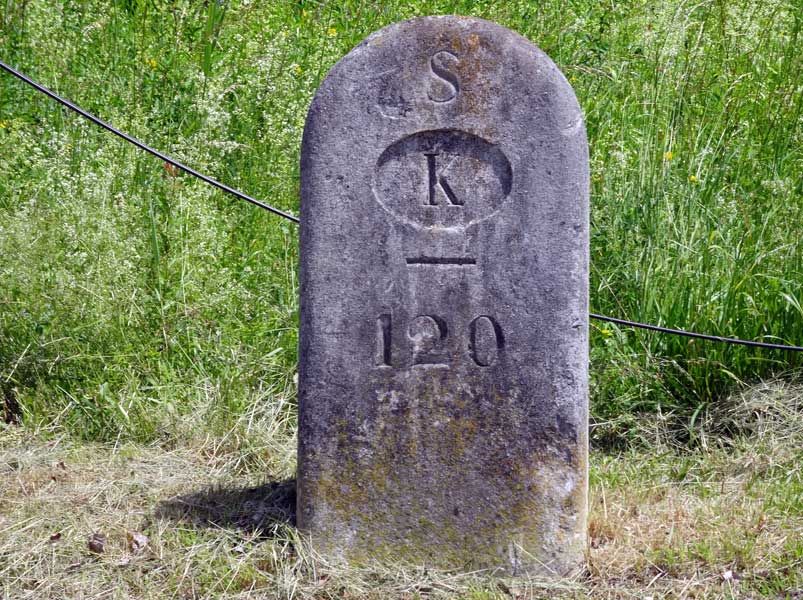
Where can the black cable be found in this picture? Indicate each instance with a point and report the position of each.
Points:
(691, 334)
(225, 188)
(145, 147)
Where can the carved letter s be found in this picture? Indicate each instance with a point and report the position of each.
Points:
(445, 86)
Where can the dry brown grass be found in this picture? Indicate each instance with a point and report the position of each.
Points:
(721, 520)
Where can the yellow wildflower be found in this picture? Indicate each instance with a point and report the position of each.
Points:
(572, 79)
(3, 124)
(606, 332)
(303, 13)
(668, 155)
(694, 179)
(331, 31)
(299, 70)
(151, 62)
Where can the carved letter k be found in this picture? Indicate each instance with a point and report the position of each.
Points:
(437, 179)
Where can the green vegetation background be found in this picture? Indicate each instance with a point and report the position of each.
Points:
(137, 302)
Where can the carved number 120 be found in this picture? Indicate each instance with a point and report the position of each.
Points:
(427, 335)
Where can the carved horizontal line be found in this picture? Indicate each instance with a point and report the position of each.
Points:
(441, 260)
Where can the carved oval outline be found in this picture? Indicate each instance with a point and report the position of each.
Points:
(427, 139)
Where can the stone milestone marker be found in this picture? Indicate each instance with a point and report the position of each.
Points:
(444, 297)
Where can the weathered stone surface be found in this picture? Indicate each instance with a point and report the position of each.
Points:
(444, 275)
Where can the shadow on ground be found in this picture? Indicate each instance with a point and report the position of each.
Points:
(262, 509)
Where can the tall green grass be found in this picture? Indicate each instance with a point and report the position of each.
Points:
(138, 302)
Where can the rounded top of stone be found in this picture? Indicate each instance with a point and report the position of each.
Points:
(412, 30)
(445, 119)
(430, 22)
(489, 60)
